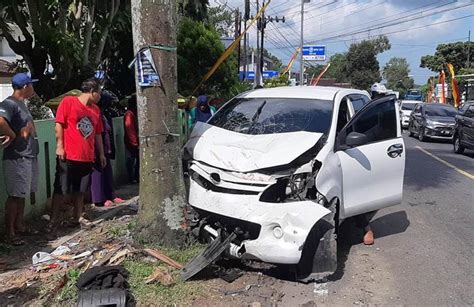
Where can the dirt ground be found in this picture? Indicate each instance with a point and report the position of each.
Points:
(258, 284)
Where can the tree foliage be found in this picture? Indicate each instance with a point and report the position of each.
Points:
(222, 19)
(66, 39)
(396, 73)
(454, 53)
(336, 70)
(362, 65)
(199, 47)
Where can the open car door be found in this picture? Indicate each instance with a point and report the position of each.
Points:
(371, 152)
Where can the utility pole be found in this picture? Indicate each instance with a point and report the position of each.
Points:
(238, 21)
(262, 25)
(468, 64)
(301, 44)
(162, 192)
(246, 17)
(257, 69)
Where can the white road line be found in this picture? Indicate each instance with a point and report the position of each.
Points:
(462, 172)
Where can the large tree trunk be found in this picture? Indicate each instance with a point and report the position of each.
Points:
(162, 191)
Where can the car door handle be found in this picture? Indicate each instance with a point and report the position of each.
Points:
(395, 150)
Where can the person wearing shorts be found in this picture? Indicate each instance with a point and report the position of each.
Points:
(20, 164)
(78, 133)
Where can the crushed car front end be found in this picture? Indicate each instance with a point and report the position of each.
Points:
(255, 206)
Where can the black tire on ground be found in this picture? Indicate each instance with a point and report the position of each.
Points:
(458, 148)
(421, 135)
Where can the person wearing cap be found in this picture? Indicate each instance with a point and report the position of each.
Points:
(202, 112)
(20, 164)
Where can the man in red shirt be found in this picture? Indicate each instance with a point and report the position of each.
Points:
(131, 139)
(78, 131)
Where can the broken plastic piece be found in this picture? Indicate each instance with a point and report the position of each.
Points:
(209, 255)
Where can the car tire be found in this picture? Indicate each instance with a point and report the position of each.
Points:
(458, 148)
(421, 135)
(410, 133)
(319, 255)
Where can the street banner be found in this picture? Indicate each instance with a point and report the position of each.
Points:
(292, 61)
(454, 86)
(148, 75)
(441, 80)
(316, 81)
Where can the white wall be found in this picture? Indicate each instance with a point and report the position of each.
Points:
(5, 91)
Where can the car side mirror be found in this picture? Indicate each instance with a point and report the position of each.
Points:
(355, 139)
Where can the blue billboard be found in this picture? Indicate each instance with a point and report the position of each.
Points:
(267, 74)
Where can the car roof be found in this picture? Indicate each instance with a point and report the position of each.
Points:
(306, 92)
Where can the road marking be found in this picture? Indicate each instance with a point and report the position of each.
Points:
(462, 172)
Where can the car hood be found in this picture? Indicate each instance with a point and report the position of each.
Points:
(239, 152)
(442, 119)
(406, 112)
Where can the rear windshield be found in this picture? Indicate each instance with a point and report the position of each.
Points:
(274, 115)
(445, 111)
(414, 93)
(408, 106)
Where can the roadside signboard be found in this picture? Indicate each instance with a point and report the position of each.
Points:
(267, 74)
(314, 53)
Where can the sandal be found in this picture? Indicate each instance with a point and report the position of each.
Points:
(29, 232)
(118, 200)
(15, 241)
(109, 203)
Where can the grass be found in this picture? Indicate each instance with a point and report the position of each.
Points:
(69, 291)
(180, 292)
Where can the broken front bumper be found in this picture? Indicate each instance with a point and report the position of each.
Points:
(284, 227)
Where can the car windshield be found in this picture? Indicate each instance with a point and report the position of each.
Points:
(408, 106)
(443, 111)
(414, 93)
(274, 115)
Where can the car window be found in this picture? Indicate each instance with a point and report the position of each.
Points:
(408, 106)
(274, 115)
(343, 116)
(358, 101)
(444, 111)
(378, 123)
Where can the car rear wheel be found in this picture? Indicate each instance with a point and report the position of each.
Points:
(421, 135)
(458, 148)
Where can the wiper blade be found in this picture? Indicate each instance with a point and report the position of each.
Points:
(259, 111)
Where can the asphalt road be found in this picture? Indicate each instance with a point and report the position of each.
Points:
(424, 251)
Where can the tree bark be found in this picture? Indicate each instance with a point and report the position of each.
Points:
(88, 32)
(115, 5)
(162, 193)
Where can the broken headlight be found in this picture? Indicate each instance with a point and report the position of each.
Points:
(292, 187)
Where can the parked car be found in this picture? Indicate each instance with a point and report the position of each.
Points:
(406, 107)
(414, 95)
(464, 129)
(432, 120)
(276, 171)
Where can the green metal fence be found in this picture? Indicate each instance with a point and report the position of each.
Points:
(47, 165)
(47, 162)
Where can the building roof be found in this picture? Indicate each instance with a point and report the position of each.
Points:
(7, 67)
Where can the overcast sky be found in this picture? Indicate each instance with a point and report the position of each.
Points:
(414, 27)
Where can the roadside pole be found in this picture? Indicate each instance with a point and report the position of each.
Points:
(301, 45)
(161, 185)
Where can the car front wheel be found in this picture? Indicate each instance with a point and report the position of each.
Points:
(458, 148)
(421, 135)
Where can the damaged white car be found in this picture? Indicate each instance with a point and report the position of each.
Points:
(272, 174)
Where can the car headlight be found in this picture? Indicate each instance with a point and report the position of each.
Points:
(286, 187)
(430, 123)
